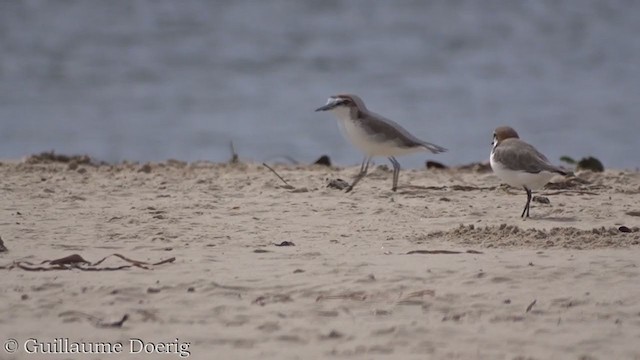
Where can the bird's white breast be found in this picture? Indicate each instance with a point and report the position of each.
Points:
(519, 178)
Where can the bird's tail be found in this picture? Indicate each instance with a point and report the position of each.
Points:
(433, 147)
(558, 170)
(564, 172)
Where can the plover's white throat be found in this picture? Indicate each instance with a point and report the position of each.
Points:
(374, 135)
(519, 164)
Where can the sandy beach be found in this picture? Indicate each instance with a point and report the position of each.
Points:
(444, 268)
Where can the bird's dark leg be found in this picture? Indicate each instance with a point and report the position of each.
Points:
(396, 172)
(365, 165)
(526, 207)
(363, 171)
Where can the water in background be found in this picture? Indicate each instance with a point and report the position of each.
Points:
(150, 80)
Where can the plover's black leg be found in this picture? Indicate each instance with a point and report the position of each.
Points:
(396, 172)
(526, 207)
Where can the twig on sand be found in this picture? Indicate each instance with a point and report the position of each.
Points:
(76, 261)
(234, 154)
(287, 186)
(443, 252)
(355, 295)
(96, 321)
(531, 305)
(2, 247)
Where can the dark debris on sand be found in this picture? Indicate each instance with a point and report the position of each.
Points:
(51, 157)
(2, 247)
(323, 160)
(338, 184)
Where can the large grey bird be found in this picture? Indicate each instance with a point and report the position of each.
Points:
(520, 164)
(374, 135)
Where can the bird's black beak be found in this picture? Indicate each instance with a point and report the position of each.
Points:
(327, 107)
(331, 103)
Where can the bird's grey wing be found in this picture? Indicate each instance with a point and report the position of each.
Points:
(389, 131)
(518, 155)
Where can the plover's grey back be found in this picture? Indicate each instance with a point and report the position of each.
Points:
(515, 154)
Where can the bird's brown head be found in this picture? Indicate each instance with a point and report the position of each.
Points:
(348, 101)
(502, 133)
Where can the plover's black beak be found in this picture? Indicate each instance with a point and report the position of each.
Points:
(331, 103)
(327, 107)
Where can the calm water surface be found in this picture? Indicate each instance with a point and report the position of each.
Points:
(150, 80)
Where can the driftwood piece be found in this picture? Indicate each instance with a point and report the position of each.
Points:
(94, 320)
(76, 261)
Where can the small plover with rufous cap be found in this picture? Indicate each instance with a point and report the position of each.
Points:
(519, 164)
(374, 135)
